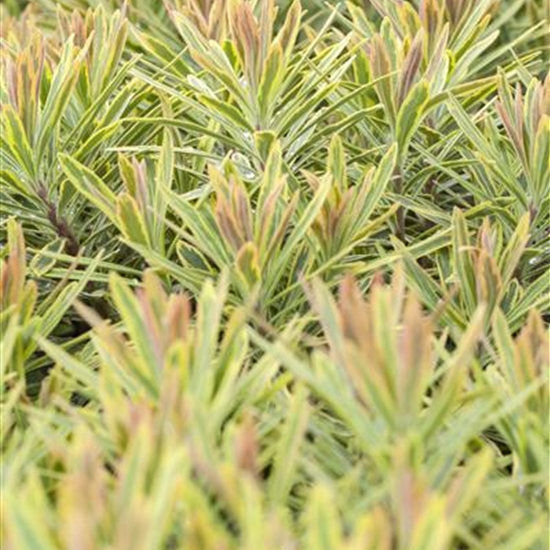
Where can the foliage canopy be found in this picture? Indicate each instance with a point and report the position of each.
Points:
(275, 274)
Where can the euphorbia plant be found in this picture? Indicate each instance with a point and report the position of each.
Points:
(274, 274)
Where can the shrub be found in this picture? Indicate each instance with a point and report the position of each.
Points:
(275, 274)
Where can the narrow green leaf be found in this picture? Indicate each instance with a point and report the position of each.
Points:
(90, 186)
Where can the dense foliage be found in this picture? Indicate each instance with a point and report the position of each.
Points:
(275, 275)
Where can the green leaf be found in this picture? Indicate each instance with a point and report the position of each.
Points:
(270, 82)
(410, 115)
(90, 186)
(337, 162)
(63, 81)
(287, 457)
(227, 112)
(137, 323)
(131, 220)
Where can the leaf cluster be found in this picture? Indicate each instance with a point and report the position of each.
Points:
(274, 274)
